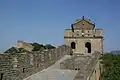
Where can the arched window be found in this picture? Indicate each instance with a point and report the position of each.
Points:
(73, 45)
(88, 46)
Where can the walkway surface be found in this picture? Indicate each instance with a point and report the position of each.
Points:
(54, 72)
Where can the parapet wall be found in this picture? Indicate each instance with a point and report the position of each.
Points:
(20, 65)
(87, 33)
(85, 64)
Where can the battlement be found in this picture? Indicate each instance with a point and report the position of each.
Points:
(85, 65)
(18, 66)
(83, 33)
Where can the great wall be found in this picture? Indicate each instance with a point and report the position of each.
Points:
(77, 59)
(20, 65)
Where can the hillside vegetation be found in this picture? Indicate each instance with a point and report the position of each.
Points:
(111, 66)
(37, 47)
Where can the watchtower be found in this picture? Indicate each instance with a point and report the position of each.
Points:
(83, 37)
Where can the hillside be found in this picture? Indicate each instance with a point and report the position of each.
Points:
(111, 66)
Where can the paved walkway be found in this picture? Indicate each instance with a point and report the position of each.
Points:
(54, 72)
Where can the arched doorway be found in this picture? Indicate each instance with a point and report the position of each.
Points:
(73, 46)
(88, 47)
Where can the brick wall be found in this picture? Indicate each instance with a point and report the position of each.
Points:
(20, 65)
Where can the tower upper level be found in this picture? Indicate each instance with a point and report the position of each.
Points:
(83, 24)
(83, 28)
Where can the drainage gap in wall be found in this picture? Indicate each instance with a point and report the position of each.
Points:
(23, 70)
(1, 78)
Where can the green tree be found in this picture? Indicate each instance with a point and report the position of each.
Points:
(37, 46)
(48, 46)
(111, 65)
(11, 50)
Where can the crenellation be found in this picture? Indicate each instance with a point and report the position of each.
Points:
(18, 66)
(98, 33)
(85, 65)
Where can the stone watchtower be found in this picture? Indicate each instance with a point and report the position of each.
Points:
(83, 37)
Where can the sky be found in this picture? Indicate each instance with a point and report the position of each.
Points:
(44, 21)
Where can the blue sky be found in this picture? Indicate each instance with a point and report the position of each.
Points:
(44, 21)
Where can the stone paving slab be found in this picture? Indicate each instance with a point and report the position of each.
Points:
(54, 72)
